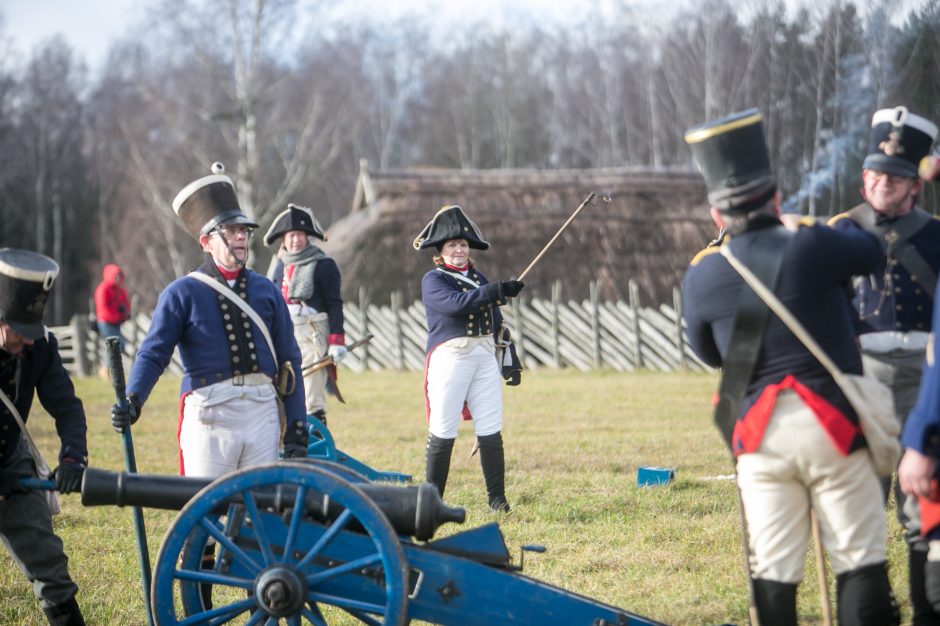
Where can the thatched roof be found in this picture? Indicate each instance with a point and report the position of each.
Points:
(652, 226)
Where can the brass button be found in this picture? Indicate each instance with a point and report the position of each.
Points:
(202, 381)
(470, 316)
(235, 359)
(254, 368)
(218, 376)
(469, 332)
(234, 348)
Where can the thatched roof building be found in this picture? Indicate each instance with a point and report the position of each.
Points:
(652, 225)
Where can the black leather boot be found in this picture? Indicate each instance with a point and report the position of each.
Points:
(922, 608)
(776, 602)
(931, 585)
(437, 458)
(320, 415)
(864, 597)
(208, 563)
(494, 470)
(65, 614)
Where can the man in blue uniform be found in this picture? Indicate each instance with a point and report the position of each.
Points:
(795, 437)
(30, 366)
(894, 303)
(311, 284)
(917, 472)
(229, 417)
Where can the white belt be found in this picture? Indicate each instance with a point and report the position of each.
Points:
(300, 309)
(891, 340)
(250, 380)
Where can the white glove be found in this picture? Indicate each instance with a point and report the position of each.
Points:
(337, 353)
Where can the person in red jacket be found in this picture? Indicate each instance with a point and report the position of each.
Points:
(112, 306)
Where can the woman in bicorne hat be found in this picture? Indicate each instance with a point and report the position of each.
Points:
(468, 350)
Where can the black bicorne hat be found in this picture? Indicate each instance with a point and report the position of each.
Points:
(450, 223)
(294, 218)
(731, 153)
(25, 280)
(898, 142)
(204, 204)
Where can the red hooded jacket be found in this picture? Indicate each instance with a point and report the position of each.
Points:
(111, 302)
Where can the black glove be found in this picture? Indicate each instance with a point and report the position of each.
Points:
(511, 288)
(294, 451)
(10, 484)
(512, 377)
(68, 476)
(295, 440)
(122, 417)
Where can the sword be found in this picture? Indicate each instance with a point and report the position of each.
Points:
(327, 360)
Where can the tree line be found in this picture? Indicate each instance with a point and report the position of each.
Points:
(91, 162)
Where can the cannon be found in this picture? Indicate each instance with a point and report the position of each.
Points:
(308, 542)
(322, 446)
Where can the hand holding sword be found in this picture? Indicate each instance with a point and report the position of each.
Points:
(328, 359)
(606, 198)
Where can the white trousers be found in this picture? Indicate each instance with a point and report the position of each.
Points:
(228, 427)
(796, 467)
(312, 332)
(464, 370)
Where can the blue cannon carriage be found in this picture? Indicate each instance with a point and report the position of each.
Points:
(307, 542)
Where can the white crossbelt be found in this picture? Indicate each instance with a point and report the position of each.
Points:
(891, 340)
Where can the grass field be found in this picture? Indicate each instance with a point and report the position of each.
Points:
(573, 445)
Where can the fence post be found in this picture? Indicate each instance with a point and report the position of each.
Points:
(396, 299)
(680, 343)
(556, 297)
(364, 312)
(635, 307)
(79, 324)
(595, 290)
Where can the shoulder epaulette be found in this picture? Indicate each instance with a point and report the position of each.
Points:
(835, 218)
(702, 254)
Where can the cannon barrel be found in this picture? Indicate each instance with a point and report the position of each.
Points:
(416, 511)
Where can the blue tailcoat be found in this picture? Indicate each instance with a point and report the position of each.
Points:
(188, 316)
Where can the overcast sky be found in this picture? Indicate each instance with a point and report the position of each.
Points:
(89, 26)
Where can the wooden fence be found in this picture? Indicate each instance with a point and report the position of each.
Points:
(550, 333)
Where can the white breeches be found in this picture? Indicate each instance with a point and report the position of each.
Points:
(464, 370)
(796, 467)
(312, 332)
(227, 427)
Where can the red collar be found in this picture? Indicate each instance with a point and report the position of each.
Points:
(457, 269)
(227, 274)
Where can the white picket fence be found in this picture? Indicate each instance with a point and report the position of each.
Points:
(549, 333)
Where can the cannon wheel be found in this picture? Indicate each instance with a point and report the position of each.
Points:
(297, 598)
(321, 444)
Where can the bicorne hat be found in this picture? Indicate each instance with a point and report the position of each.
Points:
(25, 280)
(898, 141)
(207, 202)
(450, 223)
(731, 153)
(294, 218)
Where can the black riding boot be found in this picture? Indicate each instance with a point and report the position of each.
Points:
(931, 585)
(438, 461)
(923, 612)
(864, 597)
(320, 415)
(776, 602)
(65, 614)
(494, 470)
(208, 563)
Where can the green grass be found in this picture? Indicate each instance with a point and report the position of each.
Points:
(573, 445)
